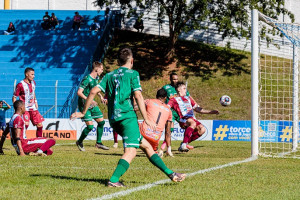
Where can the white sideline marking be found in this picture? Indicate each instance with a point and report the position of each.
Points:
(150, 185)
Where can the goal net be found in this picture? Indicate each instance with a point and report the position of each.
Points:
(277, 95)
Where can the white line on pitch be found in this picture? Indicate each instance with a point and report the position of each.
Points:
(150, 185)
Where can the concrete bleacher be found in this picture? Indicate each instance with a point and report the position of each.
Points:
(56, 55)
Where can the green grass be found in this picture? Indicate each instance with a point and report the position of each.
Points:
(71, 174)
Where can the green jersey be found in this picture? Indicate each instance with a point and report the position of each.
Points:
(119, 86)
(171, 92)
(87, 85)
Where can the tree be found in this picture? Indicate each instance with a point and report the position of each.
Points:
(231, 17)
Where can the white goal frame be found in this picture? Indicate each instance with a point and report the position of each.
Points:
(255, 57)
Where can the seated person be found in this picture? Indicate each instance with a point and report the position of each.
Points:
(10, 30)
(77, 19)
(95, 26)
(35, 147)
(53, 21)
(139, 24)
(46, 21)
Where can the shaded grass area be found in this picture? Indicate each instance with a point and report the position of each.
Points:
(210, 71)
(70, 174)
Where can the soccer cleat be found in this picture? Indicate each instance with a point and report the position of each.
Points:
(189, 147)
(80, 146)
(117, 184)
(177, 177)
(169, 154)
(161, 153)
(37, 154)
(181, 149)
(101, 146)
(115, 145)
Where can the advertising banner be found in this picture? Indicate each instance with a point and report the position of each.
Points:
(231, 130)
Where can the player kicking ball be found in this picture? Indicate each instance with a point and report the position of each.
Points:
(185, 107)
(93, 111)
(121, 86)
(35, 147)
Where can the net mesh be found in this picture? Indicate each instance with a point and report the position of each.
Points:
(276, 84)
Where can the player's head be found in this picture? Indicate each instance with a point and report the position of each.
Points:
(98, 67)
(19, 106)
(180, 88)
(1, 104)
(125, 57)
(46, 13)
(173, 79)
(161, 94)
(29, 73)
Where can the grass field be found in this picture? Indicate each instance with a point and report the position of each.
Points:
(71, 174)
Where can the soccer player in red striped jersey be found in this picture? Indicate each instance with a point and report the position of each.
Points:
(25, 90)
(185, 107)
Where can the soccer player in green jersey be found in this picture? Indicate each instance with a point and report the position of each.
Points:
(93, 112)
(171, 92)
(121, 86)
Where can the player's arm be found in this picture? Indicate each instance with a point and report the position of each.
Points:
(141, 104)
(87, 104)
(203, 111)
(8, 106)
(168, 133)
(36, 103)
(81, 95)
(103, 100)
(16, 92)
(18, 141)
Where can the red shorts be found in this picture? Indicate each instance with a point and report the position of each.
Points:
(32, 145)
(34, 116)
(184, 125)
(152, 137)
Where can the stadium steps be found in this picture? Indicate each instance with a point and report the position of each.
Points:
(62, 54)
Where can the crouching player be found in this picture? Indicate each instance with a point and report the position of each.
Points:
(36, 146)
(185, 107)
(160, 114)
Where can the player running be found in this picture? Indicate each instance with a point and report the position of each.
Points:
(185, 107)
(93, 111)
(36, 146)
(121, 85)
(160, 114)
(25, 90)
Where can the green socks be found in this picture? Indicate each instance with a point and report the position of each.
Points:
(122, 167)
(85, 132)
(159, 163)
(100, 131)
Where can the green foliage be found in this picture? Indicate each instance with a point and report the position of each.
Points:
(231, 17)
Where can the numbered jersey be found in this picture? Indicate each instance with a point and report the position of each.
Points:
(183, 106)
(26, 93)
(86, 85)
(158, 113)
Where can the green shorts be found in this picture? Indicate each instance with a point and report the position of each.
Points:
(130, 132)
(91, 113)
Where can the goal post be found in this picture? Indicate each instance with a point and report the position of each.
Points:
(275, 87)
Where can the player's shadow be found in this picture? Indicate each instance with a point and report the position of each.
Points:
(119, 154)
(101, 181)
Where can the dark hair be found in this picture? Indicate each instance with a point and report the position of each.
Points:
(179, 83)
(173, 74)
(18, 104)
(97, 64)
(161, 93)
(28, 69)
(124, 55)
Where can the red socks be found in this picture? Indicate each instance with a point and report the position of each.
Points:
(39, 131)
(187, 134)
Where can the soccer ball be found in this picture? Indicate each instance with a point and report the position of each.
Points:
(225, 100)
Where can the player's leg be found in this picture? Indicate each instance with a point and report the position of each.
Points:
(26, 117)
(191, 125)
(198, 132)
(159, 163)
(98, 117)
(46, 147)
(129, 130)
(89, 127)
(37, 119)
(115, 134)
(3, 138)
